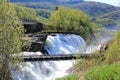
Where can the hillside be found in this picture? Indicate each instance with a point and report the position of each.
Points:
(104, 14)
(29, 13)
(109, 19)
(53, 1)
(36, 5)
(94, 8)
(115, 15)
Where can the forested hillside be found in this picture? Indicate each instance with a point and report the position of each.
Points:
(109, 19)
(36, 5)
(29, 13)
(53, 1)
(103, 14)
(44, 13)
(94, 8)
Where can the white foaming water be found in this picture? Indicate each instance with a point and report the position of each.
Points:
(91, 49)
(49, 70)
(45, 70)
(65, 44)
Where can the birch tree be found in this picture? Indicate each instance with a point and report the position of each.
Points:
(11, 32)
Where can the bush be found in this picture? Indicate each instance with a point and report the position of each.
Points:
(112, 55)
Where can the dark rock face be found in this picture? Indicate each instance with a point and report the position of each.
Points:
(37, 43)
(31, 26)
(104, 47)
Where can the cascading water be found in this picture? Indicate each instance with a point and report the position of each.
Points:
(65, 44)
(49, 70)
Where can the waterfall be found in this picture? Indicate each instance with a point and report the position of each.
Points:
(65, 44)
(45, 70)
(49, 70)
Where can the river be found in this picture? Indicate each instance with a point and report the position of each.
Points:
(50, 70)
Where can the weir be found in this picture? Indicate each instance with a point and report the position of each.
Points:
(40, 42)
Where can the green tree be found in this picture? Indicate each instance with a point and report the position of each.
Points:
(11, 32)
(71, 20)
(24, 12)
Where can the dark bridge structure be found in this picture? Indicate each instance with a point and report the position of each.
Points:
(32, 58)
(31, 25)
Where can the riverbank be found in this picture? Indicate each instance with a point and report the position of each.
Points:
(106, 72)
(106, 68)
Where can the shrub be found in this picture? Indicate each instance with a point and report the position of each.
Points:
(112, 54)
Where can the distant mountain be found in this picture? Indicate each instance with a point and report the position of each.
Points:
(94, 8)
(33, 0)
(115, 15)
(38, 5)
(53, 1)
(109, 19)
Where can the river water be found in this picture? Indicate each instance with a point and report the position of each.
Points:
(49, 70)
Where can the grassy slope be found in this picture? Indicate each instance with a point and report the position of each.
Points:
(99, 69)
(107, 72)
(70, 77)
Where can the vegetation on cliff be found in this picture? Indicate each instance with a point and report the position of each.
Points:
(112, 54)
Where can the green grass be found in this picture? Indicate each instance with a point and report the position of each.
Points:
(106, 72)
(70, 77)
